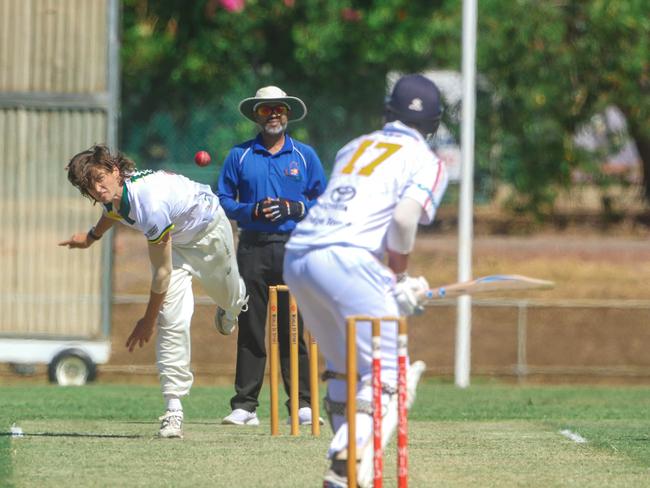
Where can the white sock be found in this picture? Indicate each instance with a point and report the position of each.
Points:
(173, 402)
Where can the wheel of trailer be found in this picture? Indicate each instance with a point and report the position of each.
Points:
(71, 367)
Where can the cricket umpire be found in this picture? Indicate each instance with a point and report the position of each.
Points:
(267, 185)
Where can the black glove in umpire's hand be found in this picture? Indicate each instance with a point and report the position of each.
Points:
(265, 209)
(278, 210)
(258, 209)
(292, 210)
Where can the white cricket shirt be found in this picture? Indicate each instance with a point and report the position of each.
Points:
(371, 175)
(159, 202)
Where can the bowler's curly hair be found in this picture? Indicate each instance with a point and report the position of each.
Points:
(82, 168)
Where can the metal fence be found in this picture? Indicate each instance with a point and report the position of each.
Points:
(558, 338)
(58, 95)
(518, 338)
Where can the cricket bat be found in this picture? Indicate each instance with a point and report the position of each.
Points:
(487, 284)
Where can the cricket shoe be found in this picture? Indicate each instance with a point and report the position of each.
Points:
(239, 416)
(336, 475)
(226, 322)
(304, 417)
(171, 424)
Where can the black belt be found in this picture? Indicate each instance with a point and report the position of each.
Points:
(253, 237)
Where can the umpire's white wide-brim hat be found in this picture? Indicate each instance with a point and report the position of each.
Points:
(271, 94)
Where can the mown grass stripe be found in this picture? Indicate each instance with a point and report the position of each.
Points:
(488, 435)
(6, 468)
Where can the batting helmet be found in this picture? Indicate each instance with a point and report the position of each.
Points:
(415, 100)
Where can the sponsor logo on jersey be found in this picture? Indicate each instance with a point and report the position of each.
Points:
(343, 194)
(293, 171)
(333, 206)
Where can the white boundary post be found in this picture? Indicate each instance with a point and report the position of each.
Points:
(465, 228)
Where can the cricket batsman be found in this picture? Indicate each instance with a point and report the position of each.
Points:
(383, 185)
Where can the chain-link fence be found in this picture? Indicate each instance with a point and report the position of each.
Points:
(169, 141)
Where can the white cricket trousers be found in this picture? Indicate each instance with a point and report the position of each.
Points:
(331, 284)
(210, 258)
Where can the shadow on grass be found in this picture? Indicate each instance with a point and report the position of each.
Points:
(66, 434)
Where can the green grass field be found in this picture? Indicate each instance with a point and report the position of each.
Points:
(487, 435)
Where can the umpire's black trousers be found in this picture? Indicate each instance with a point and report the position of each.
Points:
(260, 257)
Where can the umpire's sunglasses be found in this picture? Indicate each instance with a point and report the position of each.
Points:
(267, 110)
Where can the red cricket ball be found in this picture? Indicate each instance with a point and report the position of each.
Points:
(202, 158)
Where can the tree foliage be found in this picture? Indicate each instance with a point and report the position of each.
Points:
(547, 67)
(552, 65)
(334, 55)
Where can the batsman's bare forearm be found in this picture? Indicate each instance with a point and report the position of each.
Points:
(397, 262)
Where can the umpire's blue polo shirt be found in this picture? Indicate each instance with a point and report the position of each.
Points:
(250, 173)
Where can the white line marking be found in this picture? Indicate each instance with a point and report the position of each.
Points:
(15, 430)
(577, 438)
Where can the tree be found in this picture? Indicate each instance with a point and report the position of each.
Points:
(614, 48)
(179, 54)
(548, 67)
(551, 66)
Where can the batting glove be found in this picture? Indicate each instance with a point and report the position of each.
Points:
(409, 293)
